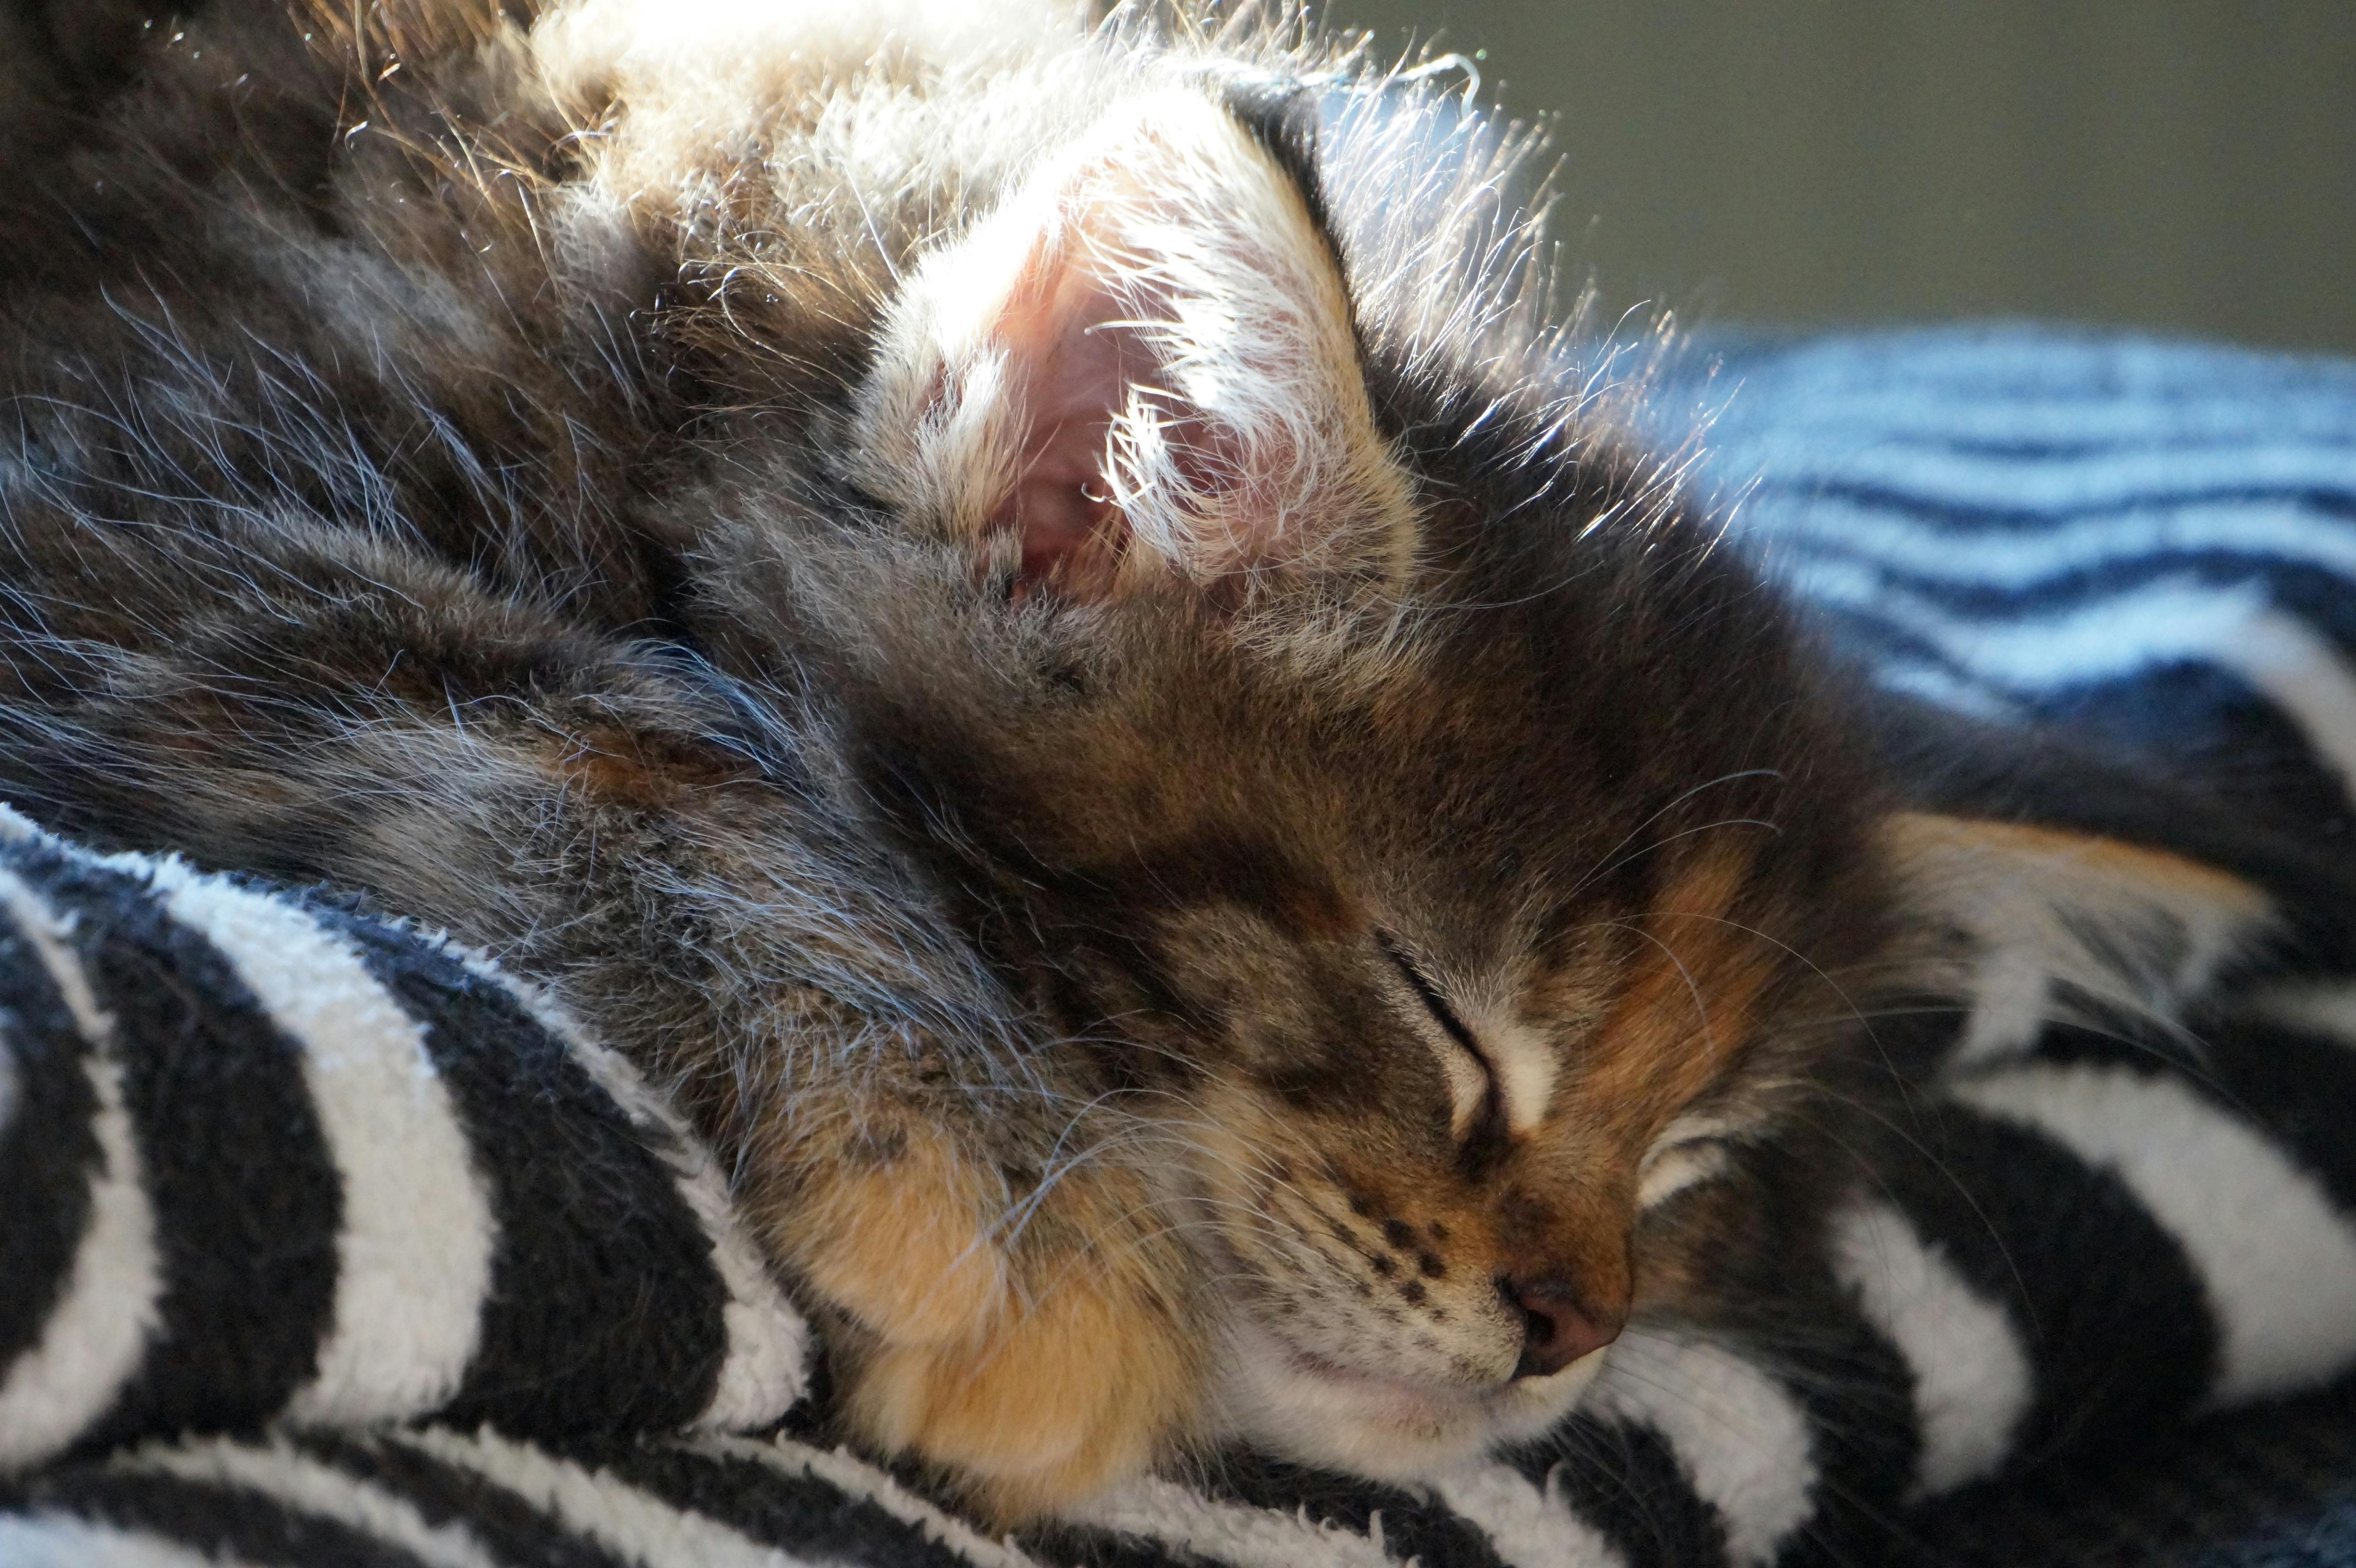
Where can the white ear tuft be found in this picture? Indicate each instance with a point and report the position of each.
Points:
(1141, 363)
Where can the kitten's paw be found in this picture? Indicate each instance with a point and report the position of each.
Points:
(1039, 1371)
(1057, 1399)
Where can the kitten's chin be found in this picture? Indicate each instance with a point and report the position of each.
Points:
(1387, 1428)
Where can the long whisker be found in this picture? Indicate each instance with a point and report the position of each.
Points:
(1672, 806)
(1605, 871)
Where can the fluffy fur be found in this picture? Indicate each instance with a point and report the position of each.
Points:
(1049, 642)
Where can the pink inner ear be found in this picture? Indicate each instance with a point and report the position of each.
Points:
(1071, 371)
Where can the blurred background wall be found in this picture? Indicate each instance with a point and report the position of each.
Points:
(2187, 165)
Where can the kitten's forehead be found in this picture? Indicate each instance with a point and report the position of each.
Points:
(1490, 802)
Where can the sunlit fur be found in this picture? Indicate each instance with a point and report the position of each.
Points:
(565, 480)
(1157, 308)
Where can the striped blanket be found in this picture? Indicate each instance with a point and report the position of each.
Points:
(327, 1243)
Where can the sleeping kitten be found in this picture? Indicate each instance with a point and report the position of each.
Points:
(1018, 608)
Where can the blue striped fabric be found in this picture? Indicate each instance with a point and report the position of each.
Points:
(2151, 543)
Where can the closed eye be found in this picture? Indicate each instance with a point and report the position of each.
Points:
(1471, 1080)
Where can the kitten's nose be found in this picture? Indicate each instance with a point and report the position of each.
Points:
(1559, 1328)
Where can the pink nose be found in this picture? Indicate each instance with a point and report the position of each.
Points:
(1559, 1327)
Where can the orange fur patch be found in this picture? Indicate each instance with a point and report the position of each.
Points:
(1690, 1004)
(1041, 1364)
(1919, 838)
(627, 768)
(1045, 1405)
(900, 1244)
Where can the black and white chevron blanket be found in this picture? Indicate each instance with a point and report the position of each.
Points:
(324, 1242)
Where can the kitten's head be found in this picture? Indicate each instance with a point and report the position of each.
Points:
(1436, 852)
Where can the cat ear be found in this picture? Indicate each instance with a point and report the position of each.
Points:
(1142, 366)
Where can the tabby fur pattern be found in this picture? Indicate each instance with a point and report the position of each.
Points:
(1020, 606)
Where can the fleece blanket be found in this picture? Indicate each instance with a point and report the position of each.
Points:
(327, 1243)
